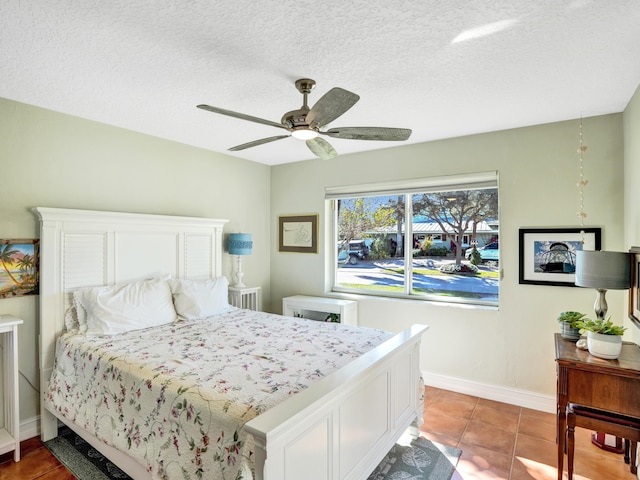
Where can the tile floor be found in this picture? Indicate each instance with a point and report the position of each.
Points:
(505, 442)
(498, 442)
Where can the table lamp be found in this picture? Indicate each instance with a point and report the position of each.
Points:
(602, 271)
(240, 244)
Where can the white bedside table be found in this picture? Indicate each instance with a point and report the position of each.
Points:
(10, 434)
(245, 297)
(317, 308)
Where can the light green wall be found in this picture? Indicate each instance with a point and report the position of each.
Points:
(631, 125)
(538, 167)
(55, 160)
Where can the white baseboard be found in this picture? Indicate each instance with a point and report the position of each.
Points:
(522, 398)
(29, 428)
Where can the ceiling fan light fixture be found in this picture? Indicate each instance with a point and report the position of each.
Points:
(304, 133)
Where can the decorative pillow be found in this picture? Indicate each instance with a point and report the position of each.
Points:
(75, 318)
(200, 298)
(122, 308)
(71, 322)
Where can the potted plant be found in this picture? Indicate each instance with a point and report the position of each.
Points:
(333, 318)
(604, 339)
(568, 321)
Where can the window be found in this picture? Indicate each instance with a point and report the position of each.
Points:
(431, 239)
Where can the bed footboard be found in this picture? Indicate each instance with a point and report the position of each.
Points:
(344, 425)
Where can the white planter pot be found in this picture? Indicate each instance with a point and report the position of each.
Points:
(604, 346)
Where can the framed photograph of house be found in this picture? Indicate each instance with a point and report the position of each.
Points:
(19, 267)
(298, 233)
(634, 290)
(548, 255)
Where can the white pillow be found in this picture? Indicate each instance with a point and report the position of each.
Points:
(200, 298)
(122, 308)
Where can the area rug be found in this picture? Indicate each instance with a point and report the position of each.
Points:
(81, 459)
(422, 460)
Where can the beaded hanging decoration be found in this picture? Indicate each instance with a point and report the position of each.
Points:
(582, 182)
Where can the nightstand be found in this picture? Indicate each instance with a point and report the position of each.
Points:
(10, 434)
(318, 308)
(245, 297)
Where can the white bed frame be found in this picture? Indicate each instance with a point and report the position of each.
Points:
(339, 428)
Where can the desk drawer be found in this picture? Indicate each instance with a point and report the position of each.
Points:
(601, 390)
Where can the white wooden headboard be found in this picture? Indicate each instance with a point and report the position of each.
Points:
(80, 248)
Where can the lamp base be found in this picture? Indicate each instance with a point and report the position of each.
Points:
(239, 273)
(239, 282)
(600, 306)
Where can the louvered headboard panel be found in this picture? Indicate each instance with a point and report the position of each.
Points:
(80, 248)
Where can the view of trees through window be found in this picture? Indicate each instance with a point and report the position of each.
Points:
(441, 245)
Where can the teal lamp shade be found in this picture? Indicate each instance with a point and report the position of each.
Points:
(240, 244)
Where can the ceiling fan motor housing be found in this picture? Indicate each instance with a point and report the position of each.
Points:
(296, 118)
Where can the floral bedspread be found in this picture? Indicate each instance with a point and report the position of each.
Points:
(176, 397)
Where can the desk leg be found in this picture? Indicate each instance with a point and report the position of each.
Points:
(561, 416)
(561, 425)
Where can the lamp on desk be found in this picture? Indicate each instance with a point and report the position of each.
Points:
(602, 271)
(240, 244)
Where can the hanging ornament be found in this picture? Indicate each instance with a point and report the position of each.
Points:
(582, 182)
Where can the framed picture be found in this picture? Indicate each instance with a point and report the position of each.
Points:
(19, 267)
(298, 233)
(548, 255)
(634, 290)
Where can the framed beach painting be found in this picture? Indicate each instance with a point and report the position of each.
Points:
(19, 267)
(298, 233)
(548, 255)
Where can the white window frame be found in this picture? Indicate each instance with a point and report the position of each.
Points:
(410, 186)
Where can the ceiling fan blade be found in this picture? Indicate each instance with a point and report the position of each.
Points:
(241, 116)
(255, 143)
(321, 148)
(330, 106)
(369, 133)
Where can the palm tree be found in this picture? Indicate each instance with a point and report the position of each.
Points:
(26, 264)
(6, 256)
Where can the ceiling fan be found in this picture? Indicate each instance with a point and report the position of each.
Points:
(306, 123)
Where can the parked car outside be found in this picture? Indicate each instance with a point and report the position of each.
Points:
(357, 250)
(488, 252)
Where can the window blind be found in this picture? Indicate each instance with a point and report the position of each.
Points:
(446, 183)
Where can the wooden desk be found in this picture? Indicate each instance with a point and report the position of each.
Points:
(612, 385)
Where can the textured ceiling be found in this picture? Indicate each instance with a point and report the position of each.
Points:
(443, 68)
